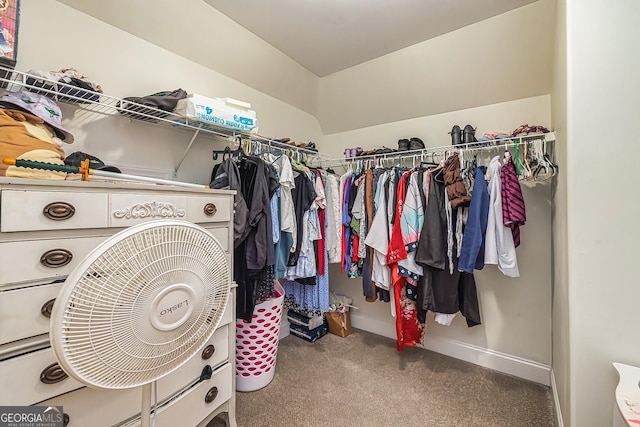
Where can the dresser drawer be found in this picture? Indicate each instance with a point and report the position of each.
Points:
(52, 210)
(20, 379)
(25, 311)
(202, 209)
(214, 354)
(98, 408)
(196, 404)
(228, 312)
(20, 376)
(222, 235)
(199, 402)
(128, 209)
(104, 408)
(43, 259)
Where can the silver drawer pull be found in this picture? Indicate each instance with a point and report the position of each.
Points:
(52, 374)
(208, 351)
(47, 307)
(211, 395)
(56, 258)
(210, 209)
(59, 211)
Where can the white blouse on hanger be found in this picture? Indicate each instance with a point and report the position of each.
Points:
(499, 247)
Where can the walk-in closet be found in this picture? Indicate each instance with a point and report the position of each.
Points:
(437, 232)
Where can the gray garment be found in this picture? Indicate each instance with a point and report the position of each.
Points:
(260, 251)
(440, 291)
(226, 176)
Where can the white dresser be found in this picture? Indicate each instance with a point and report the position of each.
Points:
(46, 229)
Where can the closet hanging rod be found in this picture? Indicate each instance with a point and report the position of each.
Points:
(274, 144)
(492, 143)
(284, 146)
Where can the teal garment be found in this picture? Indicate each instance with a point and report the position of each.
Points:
(283, 248)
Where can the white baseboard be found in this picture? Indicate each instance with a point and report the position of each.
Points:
(501, 362)
(556, 400)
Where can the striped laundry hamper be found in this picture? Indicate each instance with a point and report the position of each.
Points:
(257, 343)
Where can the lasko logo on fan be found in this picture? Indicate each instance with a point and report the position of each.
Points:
(175, 307)
(31, 416)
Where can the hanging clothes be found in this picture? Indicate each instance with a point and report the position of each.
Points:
(499, 246)
(226, 176)
(378, 238)
(456, 190)
(441, 291)
(307, 285)
(321, 204)
(254, 252)
(513, 209)
(346, 220)
(287, 209)
(421, 234)
(411, 221)
(303, 195)
(473, 240)
(409, 329)
(333, 218)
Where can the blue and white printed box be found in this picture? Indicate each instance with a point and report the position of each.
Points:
(224, 112)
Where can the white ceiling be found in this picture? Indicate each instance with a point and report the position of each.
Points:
(327, 36)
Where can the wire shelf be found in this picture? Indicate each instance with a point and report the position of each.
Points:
(103, 104)
(428, 152)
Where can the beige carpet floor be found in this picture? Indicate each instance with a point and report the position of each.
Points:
(361, 380)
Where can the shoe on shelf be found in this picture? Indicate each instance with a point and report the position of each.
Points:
(469, 135)
(456, 135)
(416, 144)
(403, 145)
(385, 150)
(308, 146)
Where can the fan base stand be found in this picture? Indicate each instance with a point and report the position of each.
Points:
(145, 412)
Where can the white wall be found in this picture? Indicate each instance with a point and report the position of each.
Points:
(500, 59)
(196, 31)
(602, 202)
(560, 269)
(516, 313)
(53, 36)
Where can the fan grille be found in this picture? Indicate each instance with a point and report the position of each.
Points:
(142, 304)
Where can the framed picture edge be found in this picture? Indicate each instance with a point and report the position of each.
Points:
(11, 62)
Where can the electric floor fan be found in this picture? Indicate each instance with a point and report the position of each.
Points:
(139, 306)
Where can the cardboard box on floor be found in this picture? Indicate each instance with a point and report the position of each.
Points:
(339, 324)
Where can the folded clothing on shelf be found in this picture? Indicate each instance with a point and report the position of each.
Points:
(310, 335)
(66, 85)
(148, 108)
(302, 320)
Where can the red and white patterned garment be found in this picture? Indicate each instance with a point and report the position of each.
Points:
(409, 331)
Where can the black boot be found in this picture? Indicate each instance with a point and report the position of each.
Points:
(403, 145)
(456, 135)
(469, 135)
